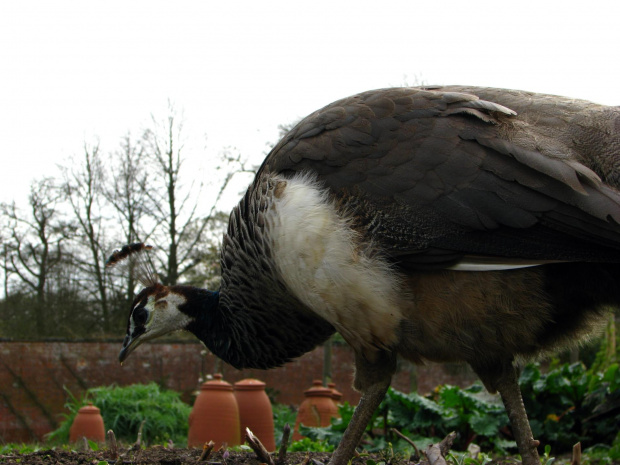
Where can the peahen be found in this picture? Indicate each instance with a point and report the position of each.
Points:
(444, 224)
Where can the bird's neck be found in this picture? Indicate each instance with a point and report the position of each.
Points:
(201, 305)
(258, 334)
(209, 323)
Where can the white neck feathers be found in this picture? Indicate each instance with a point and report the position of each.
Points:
(325, 264)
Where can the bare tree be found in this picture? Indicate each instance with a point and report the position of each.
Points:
(35, 245)
(125, 192)
(4, 249)
(205, 271)
(179, 210)
(125, 188)
(54, 272)
(83, 185)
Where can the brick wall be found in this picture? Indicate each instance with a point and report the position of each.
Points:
(32, 376)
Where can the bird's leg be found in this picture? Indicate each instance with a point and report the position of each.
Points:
(373, 379)
(371, 398)
(507, 384)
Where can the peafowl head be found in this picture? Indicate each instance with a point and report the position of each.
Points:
(157, 310)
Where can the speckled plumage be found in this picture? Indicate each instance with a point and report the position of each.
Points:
(266, 324)
(427, 175)
(360, 219)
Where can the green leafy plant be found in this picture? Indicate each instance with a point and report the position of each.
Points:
(463, 458)
(311, 445)
(282, 414)
(546, 459)
(13, 448)
(425, 420)
(566, 405)
(470, 412)
(332, 434)
(570, 404)
(124, 409)
(604, 454)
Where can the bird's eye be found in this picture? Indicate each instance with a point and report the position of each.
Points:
(140, 316)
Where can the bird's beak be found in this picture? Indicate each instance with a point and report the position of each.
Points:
(129, 345)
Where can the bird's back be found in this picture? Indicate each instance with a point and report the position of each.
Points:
(560, 126)
(381, 199)
(432, 176)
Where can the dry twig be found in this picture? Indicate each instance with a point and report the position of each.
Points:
(576, 454)
(435, 453)
(112, 446)
(434, 456)
(286, 432)
(446, 443)
(402, 436)
(206, 451)
(84, 444)
(138, 442)
(258, 448)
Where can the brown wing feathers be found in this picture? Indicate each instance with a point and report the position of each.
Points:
(453, 157)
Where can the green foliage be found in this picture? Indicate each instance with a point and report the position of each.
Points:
(570, 404)
(332, 434)
(310, 445)
(13, 448)
(464, 458)
(425, 420)
(124, 409)
(470, 412)
(282, 414)
(387, 456)
(609, 349)
(546, 459)
(566, 405)
(614, 450)
(603, 454)
(73, 404)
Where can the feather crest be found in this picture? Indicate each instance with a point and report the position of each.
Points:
(134, 257)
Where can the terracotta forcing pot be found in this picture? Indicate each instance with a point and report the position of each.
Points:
(215, 415)
(255, 411)
(88, 423)
(336, 394)
(317, 409)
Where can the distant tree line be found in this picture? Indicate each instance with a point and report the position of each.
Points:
(53, 250)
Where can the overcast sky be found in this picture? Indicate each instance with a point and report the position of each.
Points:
(73, 71)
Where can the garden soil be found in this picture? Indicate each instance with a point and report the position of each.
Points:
(151, 455)
(164, 456)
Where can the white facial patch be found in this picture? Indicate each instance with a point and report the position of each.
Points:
(321, 260)
(165, 316)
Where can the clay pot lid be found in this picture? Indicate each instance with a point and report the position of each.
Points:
(336, 394)
(250, 384)
(216, 384)
(90, 408)
(317, 390)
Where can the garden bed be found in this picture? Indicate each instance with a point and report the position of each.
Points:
(151, 455)
(164, 456)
